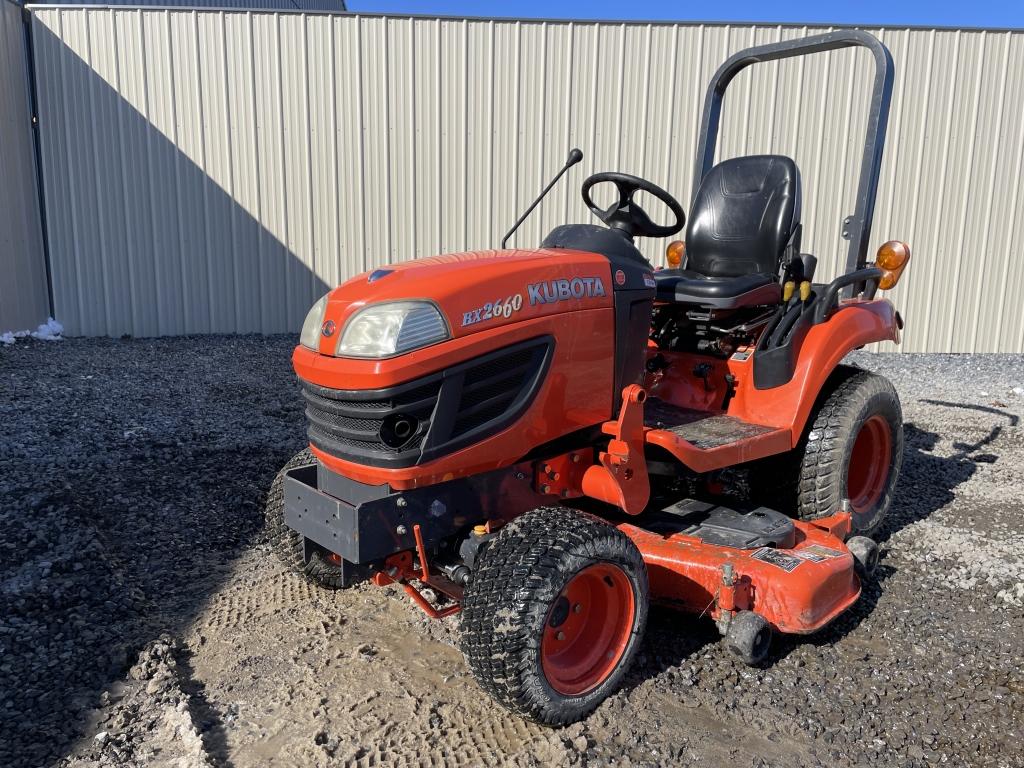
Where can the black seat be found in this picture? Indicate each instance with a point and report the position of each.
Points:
(744, 216)
(689, 287)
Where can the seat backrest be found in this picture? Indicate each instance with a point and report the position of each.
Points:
(743, 216)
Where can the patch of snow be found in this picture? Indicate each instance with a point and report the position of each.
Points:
(51, 330)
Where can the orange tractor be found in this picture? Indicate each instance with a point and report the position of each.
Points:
(534, 436)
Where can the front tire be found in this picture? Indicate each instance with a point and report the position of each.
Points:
(323, 568)
(554, 614)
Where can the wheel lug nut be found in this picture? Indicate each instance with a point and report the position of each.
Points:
(577, 608)
(560, 636)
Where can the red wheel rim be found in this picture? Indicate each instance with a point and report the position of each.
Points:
(587, 629)
(868, 473)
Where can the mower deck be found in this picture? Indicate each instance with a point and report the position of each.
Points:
(798, 588)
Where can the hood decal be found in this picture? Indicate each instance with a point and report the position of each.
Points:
(564, 289)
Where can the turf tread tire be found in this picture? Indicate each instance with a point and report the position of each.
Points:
(824, 452)
(287, 544)
(515, 580)
(775, 480)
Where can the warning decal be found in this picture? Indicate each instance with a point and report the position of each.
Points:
(816, 553)
(788, 563)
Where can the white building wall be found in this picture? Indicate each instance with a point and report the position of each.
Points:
(216, 171)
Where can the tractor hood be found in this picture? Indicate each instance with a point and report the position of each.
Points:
(480, 290)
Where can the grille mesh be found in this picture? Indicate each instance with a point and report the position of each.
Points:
(346, 426)
(476, 397)
(490, 388)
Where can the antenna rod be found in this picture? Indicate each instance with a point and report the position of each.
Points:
(574, 157)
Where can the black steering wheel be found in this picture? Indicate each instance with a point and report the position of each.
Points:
(624, 214)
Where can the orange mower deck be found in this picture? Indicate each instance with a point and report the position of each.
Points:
(798, 589)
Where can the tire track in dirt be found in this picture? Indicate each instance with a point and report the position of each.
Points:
(374, 691)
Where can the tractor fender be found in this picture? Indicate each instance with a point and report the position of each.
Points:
(853, 324)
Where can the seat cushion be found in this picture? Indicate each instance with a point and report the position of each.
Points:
(743, 216)
(684, 286)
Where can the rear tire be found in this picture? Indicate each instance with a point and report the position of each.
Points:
(554, 613)
(853, 449)
(288, 545)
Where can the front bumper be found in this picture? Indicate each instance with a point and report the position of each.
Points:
(364, 524)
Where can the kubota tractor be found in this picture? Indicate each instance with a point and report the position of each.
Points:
(532, 436)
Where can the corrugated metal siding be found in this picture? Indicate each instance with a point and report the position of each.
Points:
(24, 302)
(214, 171)
(264, 5)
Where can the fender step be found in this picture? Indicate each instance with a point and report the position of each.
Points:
(705, 441)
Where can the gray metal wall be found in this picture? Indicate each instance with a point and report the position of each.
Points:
(216, 171)
(23, 297)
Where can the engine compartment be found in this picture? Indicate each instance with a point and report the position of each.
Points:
(708, 330)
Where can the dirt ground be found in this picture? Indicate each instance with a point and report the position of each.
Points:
(211, 654)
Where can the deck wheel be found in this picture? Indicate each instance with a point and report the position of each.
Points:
(554, 613)
(865, 555)
(749, 637)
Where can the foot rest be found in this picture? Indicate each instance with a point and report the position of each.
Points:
(701, 429)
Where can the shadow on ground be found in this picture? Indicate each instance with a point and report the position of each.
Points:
(209, 722)
(131, 477)
(928, 481)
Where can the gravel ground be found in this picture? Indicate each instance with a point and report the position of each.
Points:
(144, 622)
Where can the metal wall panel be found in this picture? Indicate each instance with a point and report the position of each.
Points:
(331, 6)
(216, 171)
(24, 302)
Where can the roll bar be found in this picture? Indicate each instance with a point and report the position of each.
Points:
(856, 228)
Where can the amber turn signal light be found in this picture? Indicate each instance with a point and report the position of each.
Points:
(892, 259)
(674, 253)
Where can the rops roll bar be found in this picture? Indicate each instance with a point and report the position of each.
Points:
(856, 228)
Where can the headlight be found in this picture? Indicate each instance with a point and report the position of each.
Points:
(384, 330)
(310, 336)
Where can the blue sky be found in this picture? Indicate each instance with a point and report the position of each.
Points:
(954, 13)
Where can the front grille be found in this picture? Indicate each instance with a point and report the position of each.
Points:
(451, 409)
(348, 423)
